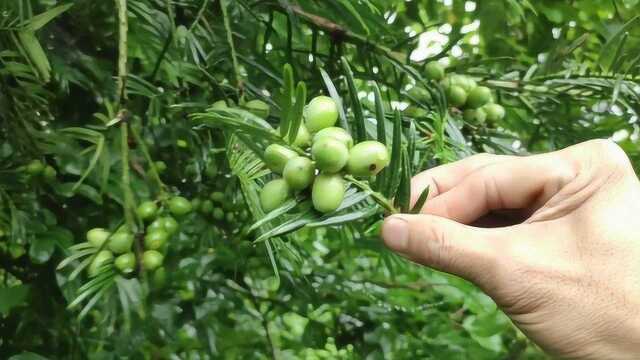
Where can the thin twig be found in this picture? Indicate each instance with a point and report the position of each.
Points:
(234, 57)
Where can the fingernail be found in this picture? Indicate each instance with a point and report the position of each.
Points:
(395, 233)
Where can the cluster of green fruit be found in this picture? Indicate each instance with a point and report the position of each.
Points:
(218, 207)
(38, 169)
(332, 150)
(157, 233)
(464, 93)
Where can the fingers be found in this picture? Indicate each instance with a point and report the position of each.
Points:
(442, 178)
(517, 183)
(445, 245)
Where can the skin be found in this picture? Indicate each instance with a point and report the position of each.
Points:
(552, 238)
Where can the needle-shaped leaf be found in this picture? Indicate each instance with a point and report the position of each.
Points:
(287, 99)
(290, 204)
(295, 114)
(392, 173)
(421, 201)
(360, 133)
(404, 191)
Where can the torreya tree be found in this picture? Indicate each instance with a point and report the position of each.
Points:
(207, 178)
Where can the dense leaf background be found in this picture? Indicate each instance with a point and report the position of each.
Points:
(566, 72)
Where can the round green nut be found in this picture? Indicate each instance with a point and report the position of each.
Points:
(276, 157)
(218, 196)
(478, 97)
(97, 236)
(159, 277)
(303, 138)
(327, 192)
(367, 158)
(154, 240)
(49, 173)
(157, 224)
(321, 112)
(331, 155)
(221, 104)
(218, 214)
(152, 259)
(434, 71)
(102, 258)
(120, 242)
(196, 203)
(274, 194)
(299, 173)
(494, 112)
(126, 263)
(147, 210)
(161, 166)
(337, 133)
(477, 116)
(258, 108)
(420, 94)
(206, 207)
(457, 96)
(169, 224)
(35, 167)
(179, 206)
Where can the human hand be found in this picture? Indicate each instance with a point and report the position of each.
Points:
(567, 273)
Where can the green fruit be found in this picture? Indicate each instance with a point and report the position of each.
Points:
(35, 167)
(258, 108)
(434, 71)
(276, 157)
(244, 215)
(207, 207)
(217, 196)
(120, 242)
(196, 203)
(211, 171)
(179, 206)
(367, 158)
(159, 277)
(303, 138)
(328, 192)
(230, 217)
(157, 224)
(160, 166)
(221, 104)
(420, 94)
(322, 112)
(169, 224)
(299, 173)
(152, 259)
(49, 174)
(330, 154)
(494, 112)
(97, 236)
(478, 97)
(415, 112)
(154, 240)
(126, 263)
(274, 194)
(102, 258)
(337, 133)
(477, 116)
(218, 214)
(457, 96)
(147, 210)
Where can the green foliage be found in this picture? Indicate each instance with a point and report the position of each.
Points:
(236, 282)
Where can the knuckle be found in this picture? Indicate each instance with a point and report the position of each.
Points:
(610, 152)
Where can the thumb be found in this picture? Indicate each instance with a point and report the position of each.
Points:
(445, 245)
